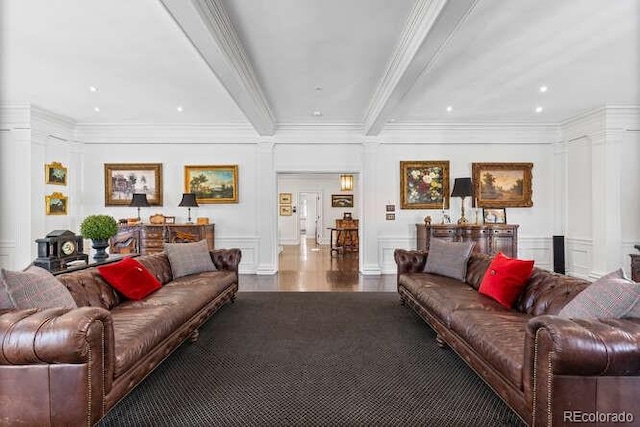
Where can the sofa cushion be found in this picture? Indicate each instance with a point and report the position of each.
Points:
(130, 278)
(496, 337)
(448, 258)
(189, 258)
(611, 296)
(505, 279)
(548, 293)
(89, 289)
(158, 265)
(442, 296)
(36, 288)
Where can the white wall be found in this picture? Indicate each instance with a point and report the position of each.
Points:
(566, 181)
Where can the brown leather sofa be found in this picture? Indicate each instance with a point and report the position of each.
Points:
(550, 370)
(68, 367)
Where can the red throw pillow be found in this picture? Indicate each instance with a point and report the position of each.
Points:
(130, 278)
(505, 279)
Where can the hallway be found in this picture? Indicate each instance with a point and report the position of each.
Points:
(308, 267)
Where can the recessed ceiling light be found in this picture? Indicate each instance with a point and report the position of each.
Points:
(93, 89)
(318, 88)
(179, 108)
(449, 108)
(96, 109)
(538, 109)
(543, 89)
(317, 113)
(392, 120)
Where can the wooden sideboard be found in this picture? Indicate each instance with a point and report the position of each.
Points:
(635, 267)
(490, 238)
(150, 238)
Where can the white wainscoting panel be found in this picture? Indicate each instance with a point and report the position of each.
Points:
(578, 257)
(539, 249)
(386, 246)
(249, 248)
(7, 249)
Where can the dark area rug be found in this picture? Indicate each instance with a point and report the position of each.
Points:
(313, 359)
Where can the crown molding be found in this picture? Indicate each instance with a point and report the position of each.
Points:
(336, 133)
(423, 38)
(211, 32)
(598, 120)
(471, 133)
(117, 133)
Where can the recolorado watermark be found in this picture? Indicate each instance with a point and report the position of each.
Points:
(598, 417)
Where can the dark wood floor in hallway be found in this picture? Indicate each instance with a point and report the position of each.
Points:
(308, 267)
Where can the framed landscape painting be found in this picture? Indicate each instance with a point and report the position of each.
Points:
(342, 200)
(503, 185)
(424, 184)
(212, 184)
(121, 180)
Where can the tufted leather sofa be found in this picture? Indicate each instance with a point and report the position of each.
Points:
(70, 366)
(550, 370)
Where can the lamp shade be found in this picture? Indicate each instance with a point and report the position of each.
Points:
(346, 182)
(189, 200)
(462, 187)
(139, 200)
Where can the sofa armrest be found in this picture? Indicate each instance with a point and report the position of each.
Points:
(57, 362)
(580, 365)
(410, 261)
(226, 259)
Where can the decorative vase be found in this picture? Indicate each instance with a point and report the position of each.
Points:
(100, 245)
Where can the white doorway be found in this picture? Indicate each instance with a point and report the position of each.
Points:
(311, 215)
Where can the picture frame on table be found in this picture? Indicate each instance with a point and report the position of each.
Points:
(424, 184)
(494, 215)
(212, 184)
(122, 180)
(55, 173)
(503, 185)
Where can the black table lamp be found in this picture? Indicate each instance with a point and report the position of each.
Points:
(139, 200)
(462, 187)
(189, 201)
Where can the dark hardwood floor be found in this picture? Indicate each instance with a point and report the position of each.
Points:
(308, 267)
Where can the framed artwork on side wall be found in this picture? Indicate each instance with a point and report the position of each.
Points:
(424, 184)
(503, 185)
(55, 173)
(121, 180)
(212, 184)
(56, 204)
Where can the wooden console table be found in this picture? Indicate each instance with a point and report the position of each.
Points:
(490, 238)
(150, 238)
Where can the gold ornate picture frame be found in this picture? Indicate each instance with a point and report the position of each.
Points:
(212, 184)
(503, 185)
(56, 204)
(424, 184)
(55, 173)
(121, 180)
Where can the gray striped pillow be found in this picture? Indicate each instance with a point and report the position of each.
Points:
(36, 288)
(611, 296)
(189, 258)
(448, 258)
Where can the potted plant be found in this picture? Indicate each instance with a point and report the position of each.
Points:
(99, 228)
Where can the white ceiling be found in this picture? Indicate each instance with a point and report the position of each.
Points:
(262, 61)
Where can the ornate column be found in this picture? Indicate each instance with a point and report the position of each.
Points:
(267, 220)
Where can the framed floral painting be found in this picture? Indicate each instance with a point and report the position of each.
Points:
(424, 184)
(56, 204)
(55, 173)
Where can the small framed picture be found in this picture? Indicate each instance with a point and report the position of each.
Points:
(494, 216)
(390, 217)
(346, 215)
(169, 219)
(56, 204)
(55, 173)
(285, 210)
(285, 198)
(390, 208)
(342, 200)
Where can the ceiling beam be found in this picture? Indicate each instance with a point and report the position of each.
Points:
(210, 30)
(430, 26)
